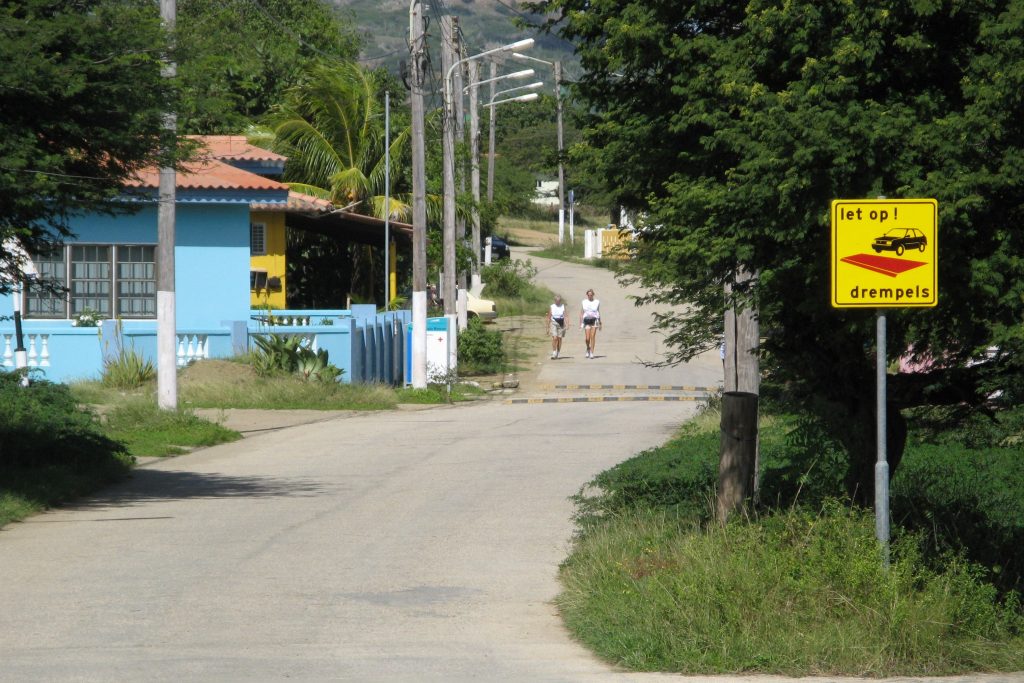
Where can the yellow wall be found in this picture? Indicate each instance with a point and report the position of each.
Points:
(615, 244)
(273, 262)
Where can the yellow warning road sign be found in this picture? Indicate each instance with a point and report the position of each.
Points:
(885, 253)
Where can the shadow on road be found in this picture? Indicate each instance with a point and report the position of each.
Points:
(150, 485)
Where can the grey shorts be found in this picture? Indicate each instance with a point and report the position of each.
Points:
(557, 330)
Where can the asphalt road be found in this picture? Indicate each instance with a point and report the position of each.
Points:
(399, 546)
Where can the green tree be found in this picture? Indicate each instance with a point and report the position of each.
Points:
(733, 125)
(331, 127)
(81, 107)
(237, 57)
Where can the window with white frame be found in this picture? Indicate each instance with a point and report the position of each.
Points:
(257, 239)
(113, 280)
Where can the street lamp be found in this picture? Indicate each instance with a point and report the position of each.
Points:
(525, 73)
(474, 127)
(448, 285)
(557, 66)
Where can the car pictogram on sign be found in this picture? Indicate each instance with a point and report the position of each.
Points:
(899, 240)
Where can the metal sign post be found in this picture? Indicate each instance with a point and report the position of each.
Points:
(882, 465)
(884, 255)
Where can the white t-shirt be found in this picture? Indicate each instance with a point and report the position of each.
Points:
(557, 312)
(591, 308)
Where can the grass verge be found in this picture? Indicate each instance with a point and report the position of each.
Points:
(793, 593)
(652, 584)
(145, 430)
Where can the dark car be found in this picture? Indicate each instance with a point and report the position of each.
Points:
(499, 249)
(899, 240)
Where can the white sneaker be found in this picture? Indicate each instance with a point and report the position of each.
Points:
(554, 355)
(589, 354)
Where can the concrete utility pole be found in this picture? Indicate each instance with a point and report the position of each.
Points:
(460, 126)
(417, 50)
(167, 334)
(490, 136)
(448, 62)
(474, 143)
(561, 149)
(387, 199)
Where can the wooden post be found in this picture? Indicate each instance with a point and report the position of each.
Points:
(736, 464)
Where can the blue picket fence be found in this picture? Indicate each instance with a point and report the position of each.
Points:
(368, 346)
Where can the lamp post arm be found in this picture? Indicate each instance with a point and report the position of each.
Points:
(531, 86)
(518, 55)
(520, 44)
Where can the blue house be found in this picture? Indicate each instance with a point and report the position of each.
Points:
(109, 271)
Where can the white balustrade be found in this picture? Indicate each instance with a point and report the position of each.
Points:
(192, 347)
(44, 354)
(33, 355)
(8, 352)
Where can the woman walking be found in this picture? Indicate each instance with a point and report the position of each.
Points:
(556, 326)
(590, 320)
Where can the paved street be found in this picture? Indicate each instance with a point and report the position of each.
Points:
(407, 546)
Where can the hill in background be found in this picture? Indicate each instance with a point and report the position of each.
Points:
(384, 27)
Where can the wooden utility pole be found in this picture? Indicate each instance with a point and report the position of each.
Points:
(417, 54)
(742, 338)
(739, 457)
(167, 335)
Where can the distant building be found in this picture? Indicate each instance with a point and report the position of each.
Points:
(545, 193)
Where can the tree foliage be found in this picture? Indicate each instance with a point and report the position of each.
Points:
(733, 125)
(330, 125)
(81, 106)
(237, 57)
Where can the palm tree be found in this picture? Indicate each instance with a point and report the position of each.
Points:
(331, 128)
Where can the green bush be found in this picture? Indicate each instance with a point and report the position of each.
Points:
(41, 426)
(507, 277)
(965, 500)
(480, 349)
(800, 462)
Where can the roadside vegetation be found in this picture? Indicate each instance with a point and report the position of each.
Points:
(797, 587)
(510, 284)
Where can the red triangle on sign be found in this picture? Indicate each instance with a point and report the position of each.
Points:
(886, 265)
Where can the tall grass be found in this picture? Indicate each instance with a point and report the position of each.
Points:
(793, 593)
(146, 430)
(277, 393)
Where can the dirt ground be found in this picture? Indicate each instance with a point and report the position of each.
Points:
(532, 238)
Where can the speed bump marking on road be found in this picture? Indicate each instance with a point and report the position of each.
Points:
(645, 387)
(600, 399)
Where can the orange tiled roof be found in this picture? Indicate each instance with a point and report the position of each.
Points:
(236, 147)
(208, 174)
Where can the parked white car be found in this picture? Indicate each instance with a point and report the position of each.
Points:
(480, 308)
